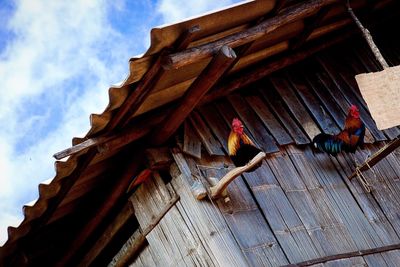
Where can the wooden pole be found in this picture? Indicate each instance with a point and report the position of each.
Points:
(368, 38)
(203, 83)
(217, 190)
(287, 16)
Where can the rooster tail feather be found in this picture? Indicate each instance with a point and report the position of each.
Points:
(328, 143)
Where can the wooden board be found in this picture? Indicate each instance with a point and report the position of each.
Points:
(277, 106)
(191, 141)
(320, 115)
(212, 146)
(295, 106)
(269, 120)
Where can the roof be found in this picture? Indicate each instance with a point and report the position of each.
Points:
(153, 87)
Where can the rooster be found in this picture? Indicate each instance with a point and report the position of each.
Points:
(351, 137)
(241, 148)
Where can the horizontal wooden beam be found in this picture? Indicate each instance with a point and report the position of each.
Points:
(358, 253)
(378, 156)
(287, 16)
(203, 83)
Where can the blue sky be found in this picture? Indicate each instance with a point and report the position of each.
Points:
(57, 61)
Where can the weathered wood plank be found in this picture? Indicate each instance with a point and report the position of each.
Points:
(359, 230)
(280, 214)
(158, 158)
(277, 106)
(212, 146)
(244, 218)
(191, 141)
(217, 124)
(269, 120)
(295, 106)
(320, 115)
(211, 228)
(254, 125)
(171, 239)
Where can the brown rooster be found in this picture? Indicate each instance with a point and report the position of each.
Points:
(241, 148)
(351, 137)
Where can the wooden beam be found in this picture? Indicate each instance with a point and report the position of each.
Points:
(245, 78)
(359, 253)
(108, 234)
(216, 191)
(378, 156)
(117, 192)
(120, 139)
(203, 83)
(287, 16)
(309, 28)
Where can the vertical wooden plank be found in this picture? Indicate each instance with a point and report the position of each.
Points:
(269, 120)
(191, 141)
(359, 226)
(375, 260)
(282, 217)
(172, 241)
(320, 115)
(244, 219)
(295, 106)
(206, 220)
(217, 124)
(254, 125)
(212, 146)
(277, 106)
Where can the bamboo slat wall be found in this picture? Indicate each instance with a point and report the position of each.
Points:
(299, 205)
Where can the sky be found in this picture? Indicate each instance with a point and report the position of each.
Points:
(57, 60)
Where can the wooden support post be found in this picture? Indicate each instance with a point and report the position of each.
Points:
(291, 14)
(378, 156)
(217, 190)
(118, 191)
(203, 83)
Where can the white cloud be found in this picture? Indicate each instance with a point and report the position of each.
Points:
(54, 73)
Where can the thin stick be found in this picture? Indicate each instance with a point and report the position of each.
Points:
(368, 38)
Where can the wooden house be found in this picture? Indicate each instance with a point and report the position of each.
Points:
(286, 69)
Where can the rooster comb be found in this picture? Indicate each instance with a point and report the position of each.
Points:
(236, 122)
(353, 107)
